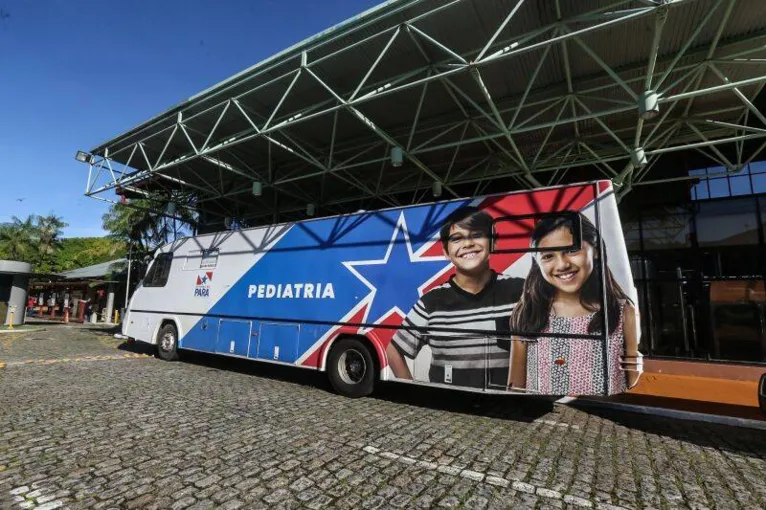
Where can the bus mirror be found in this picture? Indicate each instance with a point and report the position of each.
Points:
(762, 393)
(512, 234)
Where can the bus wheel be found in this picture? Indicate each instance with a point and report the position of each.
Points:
(351, 368)
(167, 343)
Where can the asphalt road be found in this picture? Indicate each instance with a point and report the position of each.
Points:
(88, 422)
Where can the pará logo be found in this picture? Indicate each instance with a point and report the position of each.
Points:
(202, 289)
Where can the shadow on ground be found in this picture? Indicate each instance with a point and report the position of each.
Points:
(738, 440)
(511, 407)
(517, 408)
(138, 348)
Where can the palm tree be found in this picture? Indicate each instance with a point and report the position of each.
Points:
(49, 234)
(142, 225)
(17, 239)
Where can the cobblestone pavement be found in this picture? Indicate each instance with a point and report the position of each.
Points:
(90, 424)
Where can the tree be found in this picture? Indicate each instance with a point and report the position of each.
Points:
(143, 227)
(17, 239)
(77, 252)
(48, 232)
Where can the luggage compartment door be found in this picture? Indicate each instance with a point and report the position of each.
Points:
(233, 337)
(278, 342)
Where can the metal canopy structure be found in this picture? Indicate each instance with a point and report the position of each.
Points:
(415, 98)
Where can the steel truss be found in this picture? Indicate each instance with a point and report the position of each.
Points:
(705, 91)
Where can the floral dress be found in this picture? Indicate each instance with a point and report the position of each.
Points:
(575, 366)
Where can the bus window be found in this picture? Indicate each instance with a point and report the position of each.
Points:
(511, 234)
(159, 272)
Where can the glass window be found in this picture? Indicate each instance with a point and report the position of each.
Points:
(759, 183)
(762, 207)
(737, 317)
(160, 270)
(719, 187)
(667, 228)
(632, 232)
(740, 184)
(700, 191)
(727, 223)
(758, 167)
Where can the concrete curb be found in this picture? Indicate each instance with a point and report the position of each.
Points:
(21, 330)
(668, 413)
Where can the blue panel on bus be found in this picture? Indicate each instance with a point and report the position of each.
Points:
(233, 337)
(322, 271)
(278, 342)
(202, 336)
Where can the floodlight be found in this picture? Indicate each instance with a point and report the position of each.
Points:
(397, 156)
(310, 210)
(437, 189)
(257, 188)
(83, 157)
(648, 105)
(638, 157)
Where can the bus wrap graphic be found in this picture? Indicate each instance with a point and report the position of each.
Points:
(375, 274)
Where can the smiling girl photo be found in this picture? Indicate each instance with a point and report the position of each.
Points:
(561, 296)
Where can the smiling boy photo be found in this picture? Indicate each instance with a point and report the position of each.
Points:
(474, 300)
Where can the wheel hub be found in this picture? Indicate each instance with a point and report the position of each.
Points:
(352, 367)
(167, 341)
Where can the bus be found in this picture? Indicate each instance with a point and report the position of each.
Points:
(526, 292)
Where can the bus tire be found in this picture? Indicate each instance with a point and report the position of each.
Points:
(167, 343)
(351, 368)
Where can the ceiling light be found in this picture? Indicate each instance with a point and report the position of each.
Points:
(648, 105)
(397, 156)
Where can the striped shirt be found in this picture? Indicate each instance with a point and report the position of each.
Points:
(461, 330)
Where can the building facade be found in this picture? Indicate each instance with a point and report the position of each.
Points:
(699, 266)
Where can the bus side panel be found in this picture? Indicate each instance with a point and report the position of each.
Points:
(195, 284)
(318, 276)
(361, 275)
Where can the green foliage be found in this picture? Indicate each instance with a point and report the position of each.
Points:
(48, 236)
(85, 251)
(136, 228)
(37, 240)
(17, 240)
(34, 240)
(140, 225)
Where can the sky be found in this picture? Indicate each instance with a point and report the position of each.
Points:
(75, 73)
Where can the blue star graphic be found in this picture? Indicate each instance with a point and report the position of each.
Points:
(394, 280)
(204, 279)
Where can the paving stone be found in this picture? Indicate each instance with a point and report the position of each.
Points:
(207, 481)
(184, 502)
(224, 495)
(98, 435)
(232, 504)
(140, 502)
